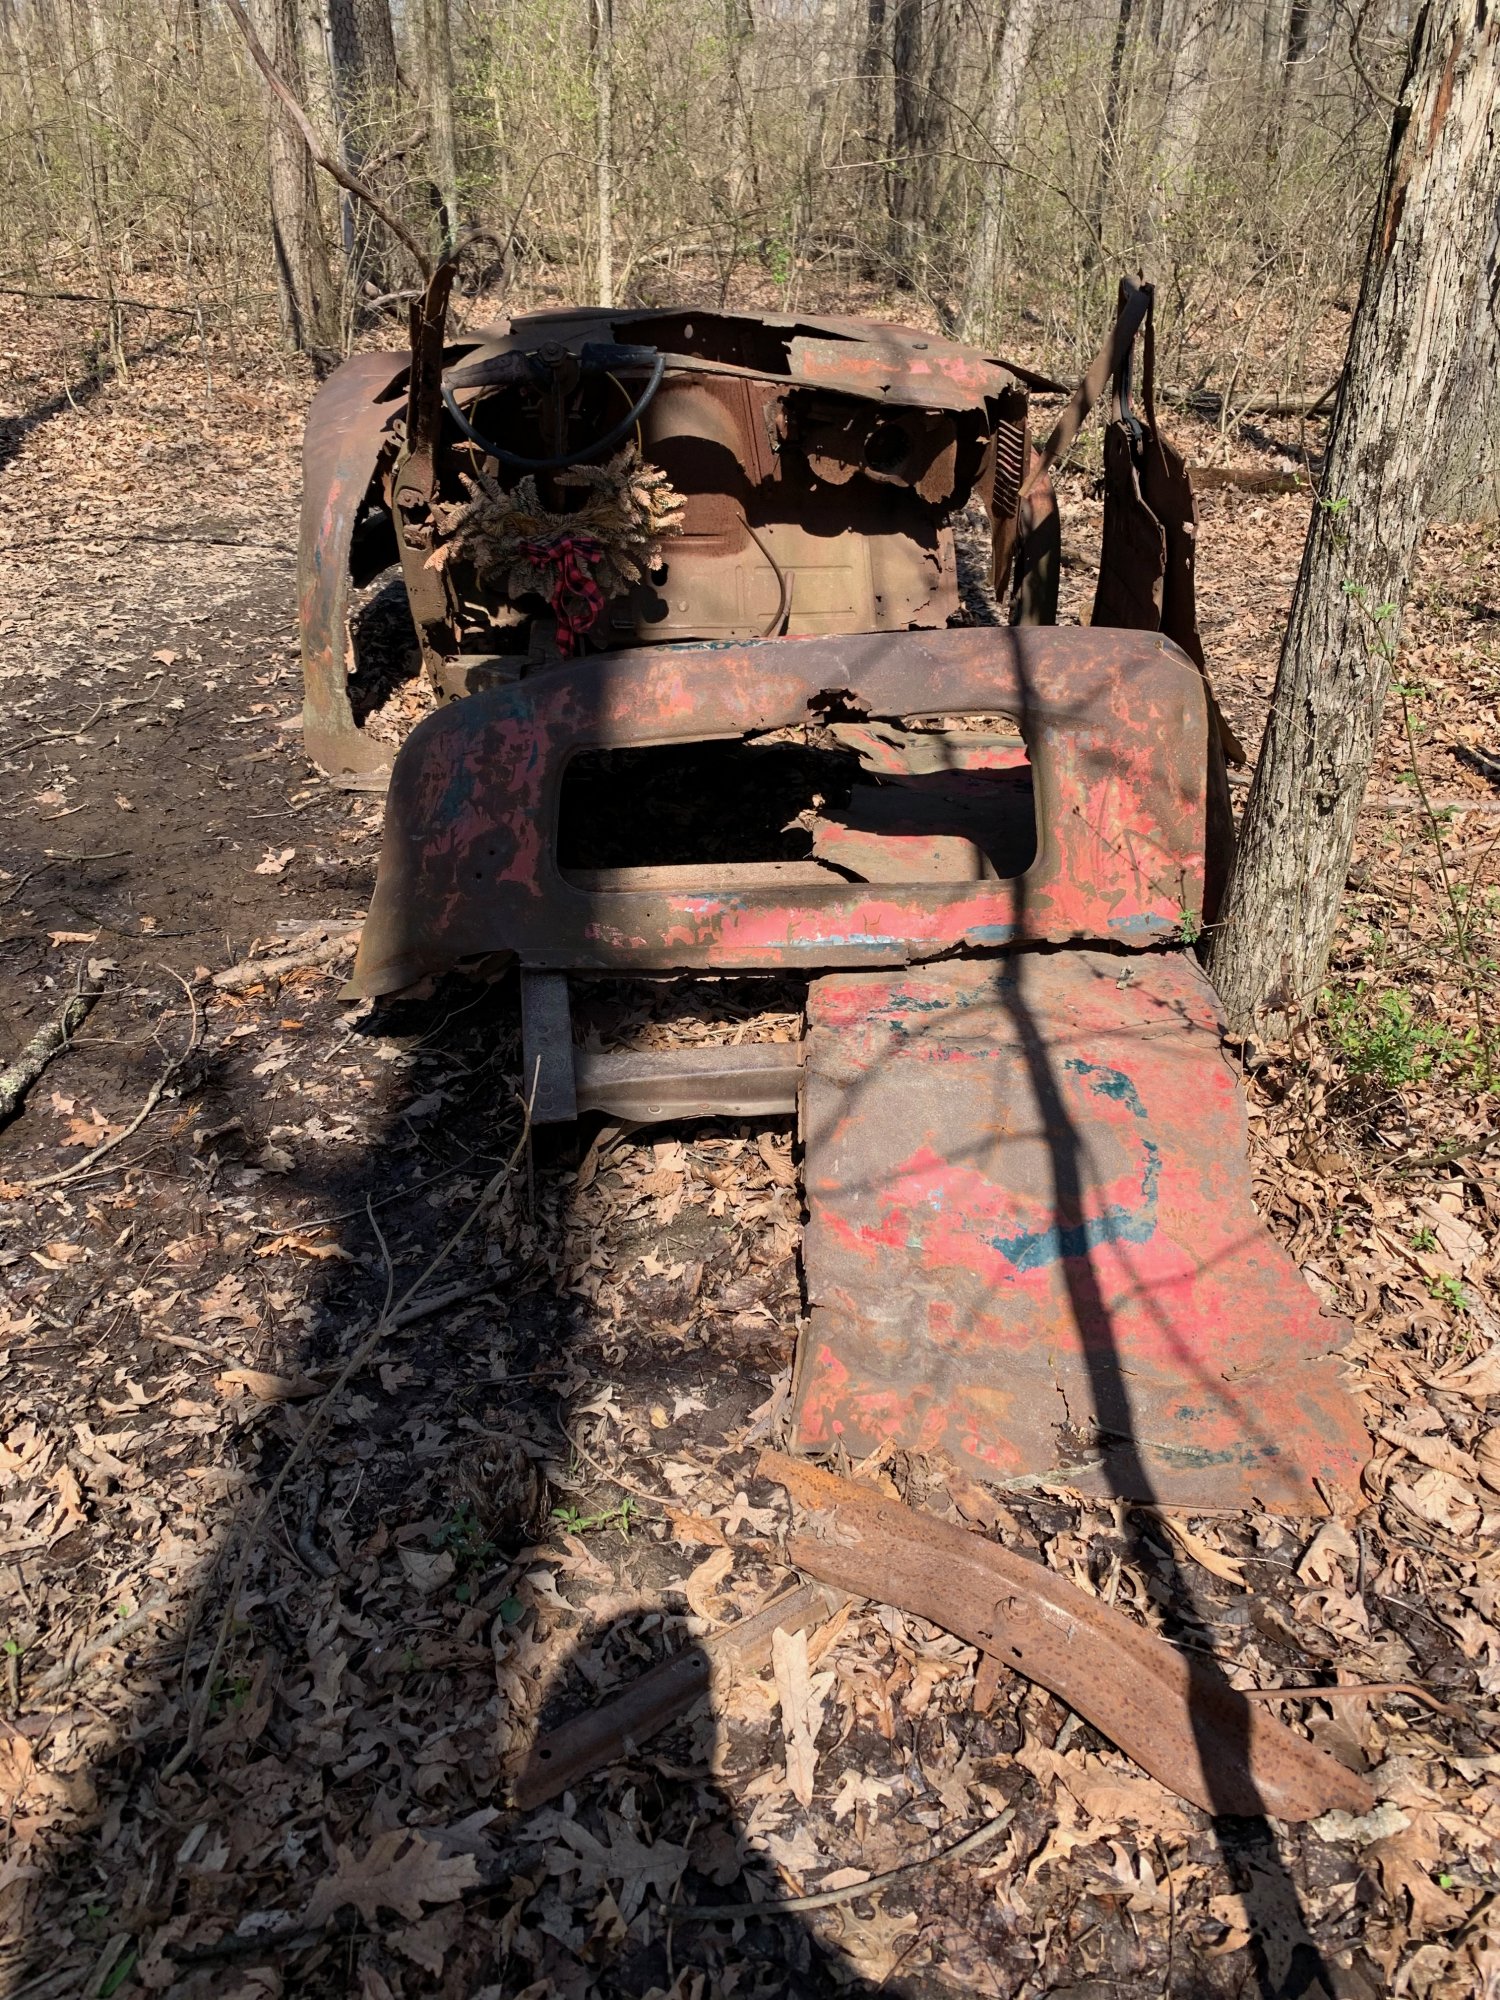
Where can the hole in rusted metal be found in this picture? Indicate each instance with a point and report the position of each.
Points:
(886, 805)
(680, 803)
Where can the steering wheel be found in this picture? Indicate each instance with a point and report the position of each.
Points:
(539, 369)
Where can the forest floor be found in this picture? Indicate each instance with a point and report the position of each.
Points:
(546, 1478)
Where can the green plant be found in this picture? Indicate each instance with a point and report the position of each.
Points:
(578, 1523)
(1380, 1037)
(463, 1537)
(1449, 1292)
(1424, 1239)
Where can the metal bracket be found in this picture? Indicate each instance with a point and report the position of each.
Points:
(547, 1048)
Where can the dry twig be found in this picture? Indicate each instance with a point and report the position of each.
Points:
(153, 1098)
(47, 1042)
(825, 1899)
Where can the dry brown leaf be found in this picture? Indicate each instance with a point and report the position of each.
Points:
(877, 1944)
(305, 1246)
(1433, 1450)
(268, 1388)
(1477, 1379)
(1405, 1862)
(801, 1710)
(1331, 1545)
(1106, 1795)
(227, 1301)
(1487, 1459)
(64, 1253)
(1439, 1498)
(1226, 1568)
(401, 1871)
(701, 1586)
(69, 1499)
(694, 1529)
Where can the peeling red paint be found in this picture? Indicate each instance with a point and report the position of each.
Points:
(1115, 726)
(1029, 1208)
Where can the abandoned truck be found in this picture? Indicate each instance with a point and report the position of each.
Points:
(707, 703)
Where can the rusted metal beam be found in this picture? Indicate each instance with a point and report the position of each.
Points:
(1176, 1716)
(346, 436)
(644, 1086)
(661, 1695)
(547, 1048)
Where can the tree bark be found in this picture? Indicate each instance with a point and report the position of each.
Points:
(1193, 34)
(362, 47)
(304, 281)
(922, 49)
(442, 147)
(906, 101)
(601, 16)
(1000, 125)
(13, 40)
(1433, 268)
(1109, 137)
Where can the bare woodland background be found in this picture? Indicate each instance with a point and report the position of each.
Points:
(995, 167)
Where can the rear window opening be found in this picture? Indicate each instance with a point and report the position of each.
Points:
(737, 814)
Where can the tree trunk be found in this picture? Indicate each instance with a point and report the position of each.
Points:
(13, 41)
(363, 51)
(922, 49)
(1193, 36)
(442, 148)
(1433, 267)
(1109, 137)
(906, 118)
(809, 178)
(1000, 125)
(601, 15)
(872, 76)
(304, 282)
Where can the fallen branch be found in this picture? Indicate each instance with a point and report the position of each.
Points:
(96, 299)
(53, 735)
(253, 971)
(1212, 403)
(1365, 1688)
(305, 1542)
(319, 1418)
(46, 1043)
(59, 1676)
(825, 1899)
(661, 1695)
(1248, 479)
(153, 1098)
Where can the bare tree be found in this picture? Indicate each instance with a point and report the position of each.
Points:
(1433, 268)
(999, 125)
(1191, 33)
(1109, 137)
(363, 51)
(304, 278)
(602, 34)
(437, 92)
(923, 34)
(18, 55)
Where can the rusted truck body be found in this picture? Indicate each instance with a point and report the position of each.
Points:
(778, 741)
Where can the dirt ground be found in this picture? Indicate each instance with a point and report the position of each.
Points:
(252, 1749)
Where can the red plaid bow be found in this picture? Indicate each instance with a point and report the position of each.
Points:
(577, 601)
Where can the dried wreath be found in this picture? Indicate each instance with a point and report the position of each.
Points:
(576, 560)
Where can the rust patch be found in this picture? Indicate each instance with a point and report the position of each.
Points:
(1178, 1721)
